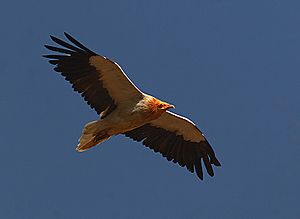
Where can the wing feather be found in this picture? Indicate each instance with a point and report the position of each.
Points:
(100, 81)
(179, 140)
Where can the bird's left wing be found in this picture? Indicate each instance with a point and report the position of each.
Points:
(101, 82)
(178, 139)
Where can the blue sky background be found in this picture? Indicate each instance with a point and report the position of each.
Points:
(230, 66)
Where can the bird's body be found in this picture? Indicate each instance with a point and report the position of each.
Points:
(129, 115)
(124, 109)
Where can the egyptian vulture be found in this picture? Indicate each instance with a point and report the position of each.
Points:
(124, 109)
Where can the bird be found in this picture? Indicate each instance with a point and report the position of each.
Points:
(124, 109)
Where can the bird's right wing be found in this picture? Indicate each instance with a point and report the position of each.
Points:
(178, 139)
(101, 82)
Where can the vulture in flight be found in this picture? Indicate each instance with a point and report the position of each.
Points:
(124, 109)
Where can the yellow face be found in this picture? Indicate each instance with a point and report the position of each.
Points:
(164, 106)
(157, 106)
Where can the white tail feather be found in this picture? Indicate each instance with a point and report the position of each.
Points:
(90, 136)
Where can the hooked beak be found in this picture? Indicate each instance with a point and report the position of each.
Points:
(169, 106)
(172, 106)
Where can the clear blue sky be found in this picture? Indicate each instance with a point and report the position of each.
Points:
(230, 66)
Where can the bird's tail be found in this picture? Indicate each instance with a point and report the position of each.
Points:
(92, 135)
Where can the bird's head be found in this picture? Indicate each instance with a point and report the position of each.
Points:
(164, 106)
(157, 105)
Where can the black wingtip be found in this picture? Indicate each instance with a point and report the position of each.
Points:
(215, 162)
(53, 38)
(208, 166)
(67, 35)
(200, 177)
(199, 171)
(77, 43)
